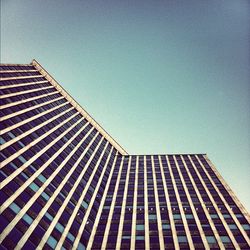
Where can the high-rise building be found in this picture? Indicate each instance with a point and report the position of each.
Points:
(66, 184)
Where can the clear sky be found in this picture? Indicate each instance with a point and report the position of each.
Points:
(159, 76)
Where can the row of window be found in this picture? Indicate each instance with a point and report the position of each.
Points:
(9, 83)
(34, 187)
(17, 74)
(24, 88)
(17, 67)
(175, 170)
(21, 97)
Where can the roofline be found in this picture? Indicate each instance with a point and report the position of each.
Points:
(167, 154)
(14, 64)
(77, 106)
(229, 190)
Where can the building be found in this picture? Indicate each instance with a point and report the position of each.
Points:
(66, 184)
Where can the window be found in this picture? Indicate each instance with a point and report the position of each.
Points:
(246, 226)
(126, 237)
(52, 242)
(20, 143)
(140, 237)
(45, 196)
(59, 227)
(12, 136)
(239, 216)
(240, 239)
(24, 175)
(41, 178)
(2, 141)
(225, 239)
(139, 227)
(211, 239)
(177, 216)
(189, 216)
(14, 207)
(22, 159)
(71, 237)
(85, 204)
(182, 239)
(232, 226)
(48, 216)
(28, 219)
(226, 216)
(81, 246)
(152, 217)
(33, 186)
(214, 216)
(165, 226)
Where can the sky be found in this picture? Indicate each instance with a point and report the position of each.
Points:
(159, 76)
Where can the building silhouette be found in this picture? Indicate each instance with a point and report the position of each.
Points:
(67, 184)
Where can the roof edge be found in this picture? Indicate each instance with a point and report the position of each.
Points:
(14, 64)
(169, 154)
(77, 106)
(229, 190)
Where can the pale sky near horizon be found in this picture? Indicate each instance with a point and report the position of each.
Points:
(159, 76)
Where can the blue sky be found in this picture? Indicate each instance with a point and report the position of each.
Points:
(159, 76)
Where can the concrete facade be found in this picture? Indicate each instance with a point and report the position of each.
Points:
(67, 184)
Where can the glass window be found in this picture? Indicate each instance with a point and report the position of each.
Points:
(126, 237)
(81, 246)
(59, 227)
(85, 204)
(152, 217)
(214, 216)
(52, 242)
(240, 239)
(189, 216)
(211, 239)
(14, 207)
(12, 136)
(139, 227)
(48, 216)
(5, 175)
(27, 218)
(246, 226)
(33, 186)
(232, 226)
(20, 143)
(165, 226)
(239, 215)
(24, 175)
(2, 141)
(139, 237)
(225, 239)
(22, 159)
(71, 237)
(13, 165)
(177, 216)
(41, 178)
(182, 239)
(45, 196)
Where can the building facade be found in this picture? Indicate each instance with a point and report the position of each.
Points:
(67, 184)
